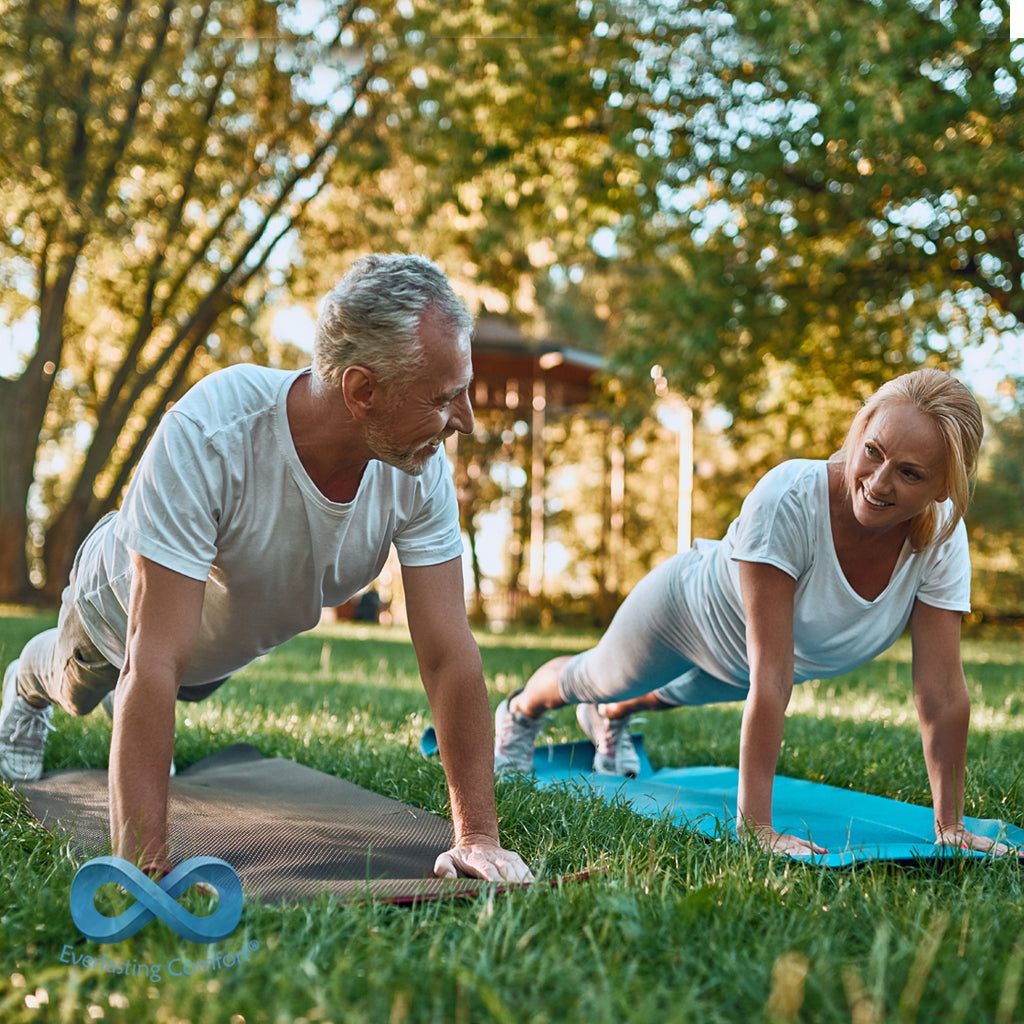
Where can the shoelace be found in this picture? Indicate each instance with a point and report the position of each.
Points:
(508, 731)
(32, 728)
(607, 735)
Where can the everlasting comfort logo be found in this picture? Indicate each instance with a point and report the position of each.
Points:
(156, 899)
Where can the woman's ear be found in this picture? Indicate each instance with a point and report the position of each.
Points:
(359, 388)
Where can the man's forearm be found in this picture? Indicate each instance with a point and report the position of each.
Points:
(141, 750)
(462, 718)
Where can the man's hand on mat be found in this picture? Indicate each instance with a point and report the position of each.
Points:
(156, 869)
(482, 857)
(964, 840)
(159, 870)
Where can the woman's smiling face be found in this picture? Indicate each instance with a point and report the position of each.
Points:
(898, 469)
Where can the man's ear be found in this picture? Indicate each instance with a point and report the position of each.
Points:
(360, 390)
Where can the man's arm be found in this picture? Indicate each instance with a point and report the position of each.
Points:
(449, 663)
(163, 624)
(944, 711)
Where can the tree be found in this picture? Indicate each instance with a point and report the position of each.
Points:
(996, 517)
(154, 158)
(527, 136)
(185, 144)
(844, 191)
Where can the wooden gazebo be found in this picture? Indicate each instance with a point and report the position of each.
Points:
(534, 379)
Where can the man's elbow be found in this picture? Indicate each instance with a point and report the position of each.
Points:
(154, 684)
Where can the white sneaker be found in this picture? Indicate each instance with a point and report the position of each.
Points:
(614, 750)
(23, 730)
(514, 737)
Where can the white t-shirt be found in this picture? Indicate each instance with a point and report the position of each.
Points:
(220, 495)
(785, 522)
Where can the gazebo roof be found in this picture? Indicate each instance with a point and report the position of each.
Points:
(507, 366)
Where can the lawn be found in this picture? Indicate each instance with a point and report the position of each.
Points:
(672, 928)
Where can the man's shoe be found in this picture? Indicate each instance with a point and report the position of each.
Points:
(514, 737)
(23, 730)
(614, 750)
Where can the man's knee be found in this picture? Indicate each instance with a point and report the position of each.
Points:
(85, 681)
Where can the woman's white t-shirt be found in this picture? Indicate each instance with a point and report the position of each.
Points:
(785, 522)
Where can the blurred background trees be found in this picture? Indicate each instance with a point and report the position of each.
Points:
(154, 157)
(779, 207)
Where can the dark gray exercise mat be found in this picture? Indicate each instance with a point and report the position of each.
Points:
(289, 831)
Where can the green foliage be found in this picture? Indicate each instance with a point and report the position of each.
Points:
(843, 191)
(506, 148)
(187, 146)
(779, 206)
(155, 158)
(667, 926)
(996, 518)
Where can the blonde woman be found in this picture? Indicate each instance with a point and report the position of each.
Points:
(822, 570)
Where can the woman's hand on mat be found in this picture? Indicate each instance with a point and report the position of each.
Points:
(482, 858)
(964, 840)
(781, 842)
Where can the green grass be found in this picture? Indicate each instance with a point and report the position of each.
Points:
(672, 927)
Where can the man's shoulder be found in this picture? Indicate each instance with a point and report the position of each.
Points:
(430, 493)
(233, 391)
(243, 378)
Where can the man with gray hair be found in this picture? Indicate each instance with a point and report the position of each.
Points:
(264, 496)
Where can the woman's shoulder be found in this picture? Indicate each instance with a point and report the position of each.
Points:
(792, 490)
(802, 478)
(781, 515)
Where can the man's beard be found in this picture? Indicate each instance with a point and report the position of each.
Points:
(413, 462)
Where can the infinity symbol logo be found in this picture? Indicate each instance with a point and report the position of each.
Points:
(156, 899)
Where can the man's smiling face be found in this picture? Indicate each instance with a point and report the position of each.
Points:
(411, 427)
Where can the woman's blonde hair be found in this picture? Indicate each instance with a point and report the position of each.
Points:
(955, 412)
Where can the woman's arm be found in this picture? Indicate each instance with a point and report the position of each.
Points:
(768, 595)
(944, 711)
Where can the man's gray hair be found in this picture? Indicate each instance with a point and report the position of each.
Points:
(372, 318)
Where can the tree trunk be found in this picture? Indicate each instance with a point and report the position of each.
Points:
(24, 403)
(17, 459)
(477, 611)
(65, 534)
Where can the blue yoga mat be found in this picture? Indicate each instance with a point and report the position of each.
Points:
(854, 827)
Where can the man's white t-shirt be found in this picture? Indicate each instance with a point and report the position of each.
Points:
(221, 496)
(784, 522)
